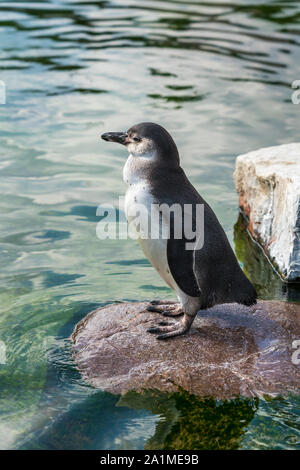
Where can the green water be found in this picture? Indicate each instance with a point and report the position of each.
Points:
(218, 76)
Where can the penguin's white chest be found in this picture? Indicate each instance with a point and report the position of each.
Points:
(139, 199)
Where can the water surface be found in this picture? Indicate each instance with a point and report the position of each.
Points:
(218, 76)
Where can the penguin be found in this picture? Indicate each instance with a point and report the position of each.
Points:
(202, 274)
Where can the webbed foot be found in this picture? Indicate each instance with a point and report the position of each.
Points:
(169, 330)
(168, 309)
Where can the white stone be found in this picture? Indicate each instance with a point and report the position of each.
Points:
(268, 183)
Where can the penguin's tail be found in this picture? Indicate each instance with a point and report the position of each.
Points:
(246, 293)
(250, 301)
(239, 290)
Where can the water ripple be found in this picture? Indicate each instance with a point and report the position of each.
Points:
(218, 75)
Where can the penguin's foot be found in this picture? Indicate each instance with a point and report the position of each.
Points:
(169, 330)
(168, 309)
(164, 327)
(163, 302)
(176, 312)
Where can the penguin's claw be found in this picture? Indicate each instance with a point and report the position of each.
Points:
(162, 302)
(173, 329)
(153, 309)
(153, 329)
(178, 313)
(172, 309)
(164, 328)
(172, 334)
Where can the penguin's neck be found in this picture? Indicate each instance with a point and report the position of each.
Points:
(138, 168)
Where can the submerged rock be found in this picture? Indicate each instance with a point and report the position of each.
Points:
(258, 268)
(191, 422)
(230, 351)
(268, 183)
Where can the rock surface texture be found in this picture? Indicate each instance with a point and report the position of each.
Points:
(268, 183)
(231, 350)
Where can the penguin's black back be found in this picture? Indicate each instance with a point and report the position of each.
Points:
(212, 272)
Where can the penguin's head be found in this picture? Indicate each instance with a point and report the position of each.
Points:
(147, 140)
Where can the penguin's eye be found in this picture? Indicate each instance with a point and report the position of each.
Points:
(137, 139)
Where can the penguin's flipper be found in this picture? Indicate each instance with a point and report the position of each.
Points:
(181, 263)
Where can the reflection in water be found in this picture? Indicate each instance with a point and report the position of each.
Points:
(258, 268)
(190, 422)
(96, 423)
(176, 421)
(156, 420)
(217, 75)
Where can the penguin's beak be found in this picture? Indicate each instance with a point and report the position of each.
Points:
(119, 137)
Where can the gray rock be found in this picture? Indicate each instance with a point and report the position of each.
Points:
(268, 183)
(231, 350)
